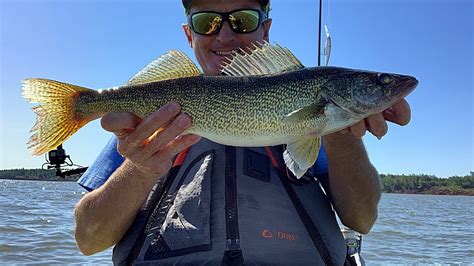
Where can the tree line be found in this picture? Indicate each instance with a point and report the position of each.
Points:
(414, 183)
(34, 174)
(428, 184)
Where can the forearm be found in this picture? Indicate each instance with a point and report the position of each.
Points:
(354, 182)
(103, 216)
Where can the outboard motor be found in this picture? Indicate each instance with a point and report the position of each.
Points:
(58, 159)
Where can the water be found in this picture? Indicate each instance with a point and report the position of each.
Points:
(36, 226)
(422, 229)
(36, 223)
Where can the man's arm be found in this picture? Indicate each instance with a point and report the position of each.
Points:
(354, 182)
(103, 216)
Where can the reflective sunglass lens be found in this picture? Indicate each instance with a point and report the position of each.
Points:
(206, 23)
(244, 21)
(241, 21)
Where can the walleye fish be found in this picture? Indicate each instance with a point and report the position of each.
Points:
(266, 97)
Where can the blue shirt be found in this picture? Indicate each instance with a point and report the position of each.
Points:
(109, 160)
(103, 167)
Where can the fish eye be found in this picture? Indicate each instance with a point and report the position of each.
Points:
(385, 79)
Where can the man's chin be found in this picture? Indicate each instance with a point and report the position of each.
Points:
(215, 69)
(217, 62)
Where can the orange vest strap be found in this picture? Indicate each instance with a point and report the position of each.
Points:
(276, 164)
(181, 157)
(272, 157)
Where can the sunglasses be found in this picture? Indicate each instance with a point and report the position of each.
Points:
(240, 21)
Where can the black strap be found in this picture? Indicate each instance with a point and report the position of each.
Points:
(310, 226)
(233, 253)
(156, 197)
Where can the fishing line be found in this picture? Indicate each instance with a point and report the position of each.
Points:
(327, 45)
(326, 19)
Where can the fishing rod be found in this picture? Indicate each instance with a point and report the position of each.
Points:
(353, 239)
(327, 46)
(319, 31)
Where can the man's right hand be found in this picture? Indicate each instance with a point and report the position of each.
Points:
(151, 153)
(104, 215)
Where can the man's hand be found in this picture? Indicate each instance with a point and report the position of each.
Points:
(103, 216)
(376, 124)
(150, 144)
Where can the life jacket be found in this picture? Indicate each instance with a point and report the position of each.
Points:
(223, 205)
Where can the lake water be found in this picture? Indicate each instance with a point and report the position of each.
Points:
(36, 226)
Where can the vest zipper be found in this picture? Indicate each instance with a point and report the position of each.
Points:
(233, 253)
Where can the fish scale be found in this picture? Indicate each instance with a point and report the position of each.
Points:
(227, 105)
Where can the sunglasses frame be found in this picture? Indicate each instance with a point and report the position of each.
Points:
(262, 17)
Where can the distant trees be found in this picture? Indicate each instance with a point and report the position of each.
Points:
(421, 183)
(29, 174)
(463, 181)
(428, 184)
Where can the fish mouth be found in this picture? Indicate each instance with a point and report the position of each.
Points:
(408, 84)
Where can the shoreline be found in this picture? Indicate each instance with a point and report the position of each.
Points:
(59, 179)
(399, 184)
(470, 193)
(441, 190)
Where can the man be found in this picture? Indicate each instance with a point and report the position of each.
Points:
(104, 215)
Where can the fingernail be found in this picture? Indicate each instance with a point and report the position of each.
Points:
(196, 138)
(173, 107)
(183, 121)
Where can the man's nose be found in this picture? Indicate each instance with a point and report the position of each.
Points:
(226, 34)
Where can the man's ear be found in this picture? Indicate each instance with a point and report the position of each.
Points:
(266, 29)
(188, 33)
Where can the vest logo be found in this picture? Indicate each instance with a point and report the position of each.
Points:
(267, 233)
(286, 236)
(278, 235)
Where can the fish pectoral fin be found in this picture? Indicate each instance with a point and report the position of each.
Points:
(172, 65)
(302, 154)
(306, 113)
(261, 59)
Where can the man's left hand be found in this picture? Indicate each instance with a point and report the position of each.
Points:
(376, 124)
(354, 182)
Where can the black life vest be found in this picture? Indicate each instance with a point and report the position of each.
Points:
(233, 206)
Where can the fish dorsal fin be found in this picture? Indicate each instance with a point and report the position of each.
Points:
(302, 154)
(172, 65)
(264, 59)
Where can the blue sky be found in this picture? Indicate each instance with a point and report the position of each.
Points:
(100, 44)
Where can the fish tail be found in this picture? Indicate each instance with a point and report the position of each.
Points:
(57, 118)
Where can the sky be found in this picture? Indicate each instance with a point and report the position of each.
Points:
(101, 44)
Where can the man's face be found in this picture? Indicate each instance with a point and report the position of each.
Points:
(211, 50)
